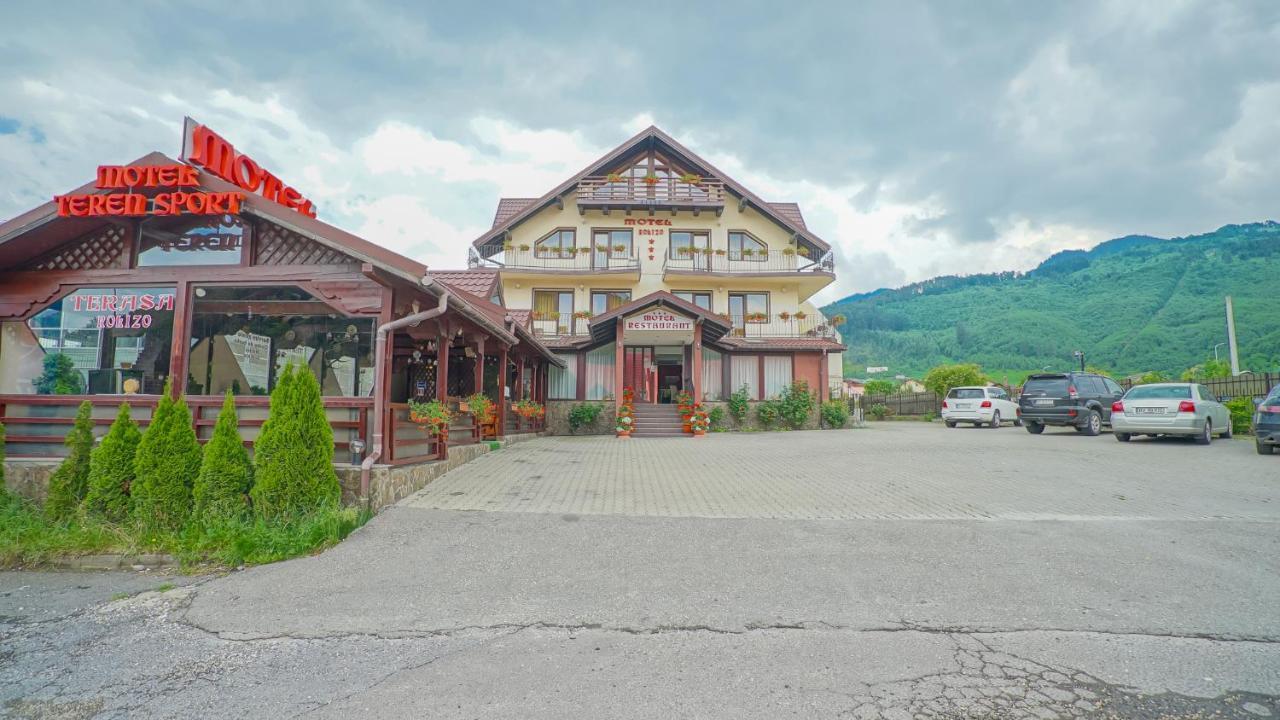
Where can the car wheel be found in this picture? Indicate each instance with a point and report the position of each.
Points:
(1017, 423)
(1230, 432)
(995, 420)
(1093, 425)
(1263, 448)
(1122, 437)
(1206, 433)
(949, 423)
(1034, 428)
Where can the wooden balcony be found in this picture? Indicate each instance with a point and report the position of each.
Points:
(578, 260)
(601, 193)
(777, 326)
(727, 263)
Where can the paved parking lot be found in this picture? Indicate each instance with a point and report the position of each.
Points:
(893, 470)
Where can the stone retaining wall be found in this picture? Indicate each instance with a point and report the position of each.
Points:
(558, 418)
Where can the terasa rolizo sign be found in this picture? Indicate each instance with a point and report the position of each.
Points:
(129, 310)
(202, 146)
(658, 320)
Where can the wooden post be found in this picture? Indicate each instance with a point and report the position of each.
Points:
(442, 365)
(517, 393)
(618, 363)
(824, 391)
(478, 386)
(502, 394)
(697, 361)
(180, 347)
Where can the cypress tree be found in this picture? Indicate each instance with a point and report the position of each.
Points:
(165, 467)
(293, 457)
(70, 481)
(111, 469)
(222, 488)
(4, 489)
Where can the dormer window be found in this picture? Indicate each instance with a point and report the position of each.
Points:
(559, 244)
(742, 246)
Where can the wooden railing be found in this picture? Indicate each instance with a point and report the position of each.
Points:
(406, 441)
(36, 425)
(661, 191)
(516, 424)
(809, 326)
(723, 261)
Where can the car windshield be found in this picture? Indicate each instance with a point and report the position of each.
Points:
(1160, 392)
(966, 393)
(1274, 397)
(1046, 386)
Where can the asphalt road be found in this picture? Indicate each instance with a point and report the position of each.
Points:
(429, 612)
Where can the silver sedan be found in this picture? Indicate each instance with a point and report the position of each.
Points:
(1170, 409)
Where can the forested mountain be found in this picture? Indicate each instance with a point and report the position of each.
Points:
(1132, 304)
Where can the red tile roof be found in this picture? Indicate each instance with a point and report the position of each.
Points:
(805, 343)
(508, 207)
(477, 281)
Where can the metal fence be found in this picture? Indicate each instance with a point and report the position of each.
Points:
(1249, 385)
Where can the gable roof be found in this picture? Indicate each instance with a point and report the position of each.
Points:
(481, 282)
(605, 324)
(788, 216)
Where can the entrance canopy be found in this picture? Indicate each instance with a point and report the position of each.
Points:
(658, 318)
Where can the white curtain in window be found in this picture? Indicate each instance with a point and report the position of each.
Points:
(564, 381)
(600, 372)
(745, 370)
(712, 377)
(777, 374)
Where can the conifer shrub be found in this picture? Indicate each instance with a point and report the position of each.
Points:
(111, 470)
(165, 467)
(70, 482)
(221, 492)
(293, 456)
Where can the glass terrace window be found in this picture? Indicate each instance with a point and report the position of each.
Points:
(243, 337)
(701, 299)
(685, 244)
(744, 247)
(219, 241)
(617, 243)
(102, 340)
(559, 244)
(749, 307)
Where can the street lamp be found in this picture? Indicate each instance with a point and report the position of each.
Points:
(1215, 351)
(1080, 356)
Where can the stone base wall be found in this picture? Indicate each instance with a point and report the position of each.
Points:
(558, 418)
(387, 484)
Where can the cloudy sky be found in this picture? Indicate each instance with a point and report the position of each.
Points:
(920, 138)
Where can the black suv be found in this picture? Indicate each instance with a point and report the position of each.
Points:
(1082, 400)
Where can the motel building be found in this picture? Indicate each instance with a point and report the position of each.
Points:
(650, 270)
(209, 272)
(653, 270)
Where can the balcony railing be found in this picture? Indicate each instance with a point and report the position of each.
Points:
(764, 326)
(551, 325)
(661, 191)
(574, 260)
(722, 261)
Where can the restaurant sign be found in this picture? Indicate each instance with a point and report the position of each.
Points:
(658, 319)
(202, 146)
(122, 310)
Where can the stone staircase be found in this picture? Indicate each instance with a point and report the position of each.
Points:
(657, 421)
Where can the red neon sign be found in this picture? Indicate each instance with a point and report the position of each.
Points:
(132, 204)
(202, 146)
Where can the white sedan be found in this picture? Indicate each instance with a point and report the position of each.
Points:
(1185, 409)
(988, 406)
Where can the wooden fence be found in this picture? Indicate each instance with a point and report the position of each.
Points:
(1251, 385)
(914, 403)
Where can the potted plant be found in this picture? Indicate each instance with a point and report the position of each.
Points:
(800, 315)
(507, 245)
(481, 408)
(524, 247)
(707, 251)
(700, 421)
(619, 248)
(720, 252)
(757, 317)
(784, 316)
(837, 320)
(433, 417)
(684, 250)
(537, 315)
(650, 179)
(691, 179)
(602, 247)
(802, 251)
(625, 422)
(788, 251)
(747, 252)
(581, 250)
(529, 410)
(582, 315)
(613, 177)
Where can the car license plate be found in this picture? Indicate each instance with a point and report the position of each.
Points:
(1044, 402)
(1149, 411)
(963, 406)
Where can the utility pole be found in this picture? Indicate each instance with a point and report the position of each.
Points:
(1080, 354)
(1231, 339)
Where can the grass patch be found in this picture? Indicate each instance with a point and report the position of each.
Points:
(28, 538)
(164, 587)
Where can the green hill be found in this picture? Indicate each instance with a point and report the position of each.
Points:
(1132, 304)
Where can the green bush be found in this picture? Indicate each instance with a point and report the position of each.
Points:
(1150, 378)
(795, 405)
(3, 488)
(111, 469)
(715, 417)
(58, 376)
(878, 411)
(70, 482)
(165, 467)
(221, 490)
(1241, 414)
(583, 415)
(1207, 370)
(880, 387)
(739, 402)
(942, 378)
(767, 413)
(293, 457)
(835, 413)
